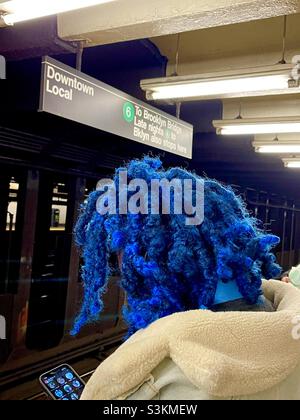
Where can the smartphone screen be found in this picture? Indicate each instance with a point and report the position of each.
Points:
(63, 383)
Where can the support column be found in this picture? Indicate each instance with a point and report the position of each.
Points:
(77, 197)
(21, 300)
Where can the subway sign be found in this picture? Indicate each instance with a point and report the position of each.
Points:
(73, 95)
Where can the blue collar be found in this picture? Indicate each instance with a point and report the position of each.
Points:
(227, 292)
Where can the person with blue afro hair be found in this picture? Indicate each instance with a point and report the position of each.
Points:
(197, 308)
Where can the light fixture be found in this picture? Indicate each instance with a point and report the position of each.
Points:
(258, 81)
(278, 149)
(248, 126)
(292, 163)
(14, 11)
(276, 146)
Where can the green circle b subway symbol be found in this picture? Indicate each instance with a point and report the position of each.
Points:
(168, 133)
(128, 112)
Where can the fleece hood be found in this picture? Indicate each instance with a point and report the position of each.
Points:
(224, 353)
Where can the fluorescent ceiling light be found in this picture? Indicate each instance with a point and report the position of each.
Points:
(293, 163)
(258, 81)
(278, 149)
(248, 126)
(283, 144)
(15, 11)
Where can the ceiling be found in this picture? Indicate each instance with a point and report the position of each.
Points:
(245, 44)
(123, 20)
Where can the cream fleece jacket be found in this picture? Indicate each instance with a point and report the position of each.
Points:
(221, 355)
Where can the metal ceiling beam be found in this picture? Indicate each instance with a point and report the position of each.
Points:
(134, 19)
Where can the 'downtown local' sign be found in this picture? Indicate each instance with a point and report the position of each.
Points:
(71, 94)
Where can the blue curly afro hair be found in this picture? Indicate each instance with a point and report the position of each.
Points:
(168, 266)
